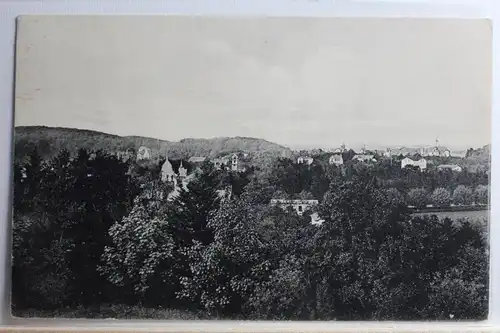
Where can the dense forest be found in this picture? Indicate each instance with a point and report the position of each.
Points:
(95, 236)
(50, 140)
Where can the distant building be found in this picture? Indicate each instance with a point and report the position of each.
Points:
(143, 153)
(451, 167)
(167, 173)
(336, 159)
(229, 162)
(340, 150)
(178, 180)
(421, 163)
(305, 160)
(225, 193)
(182, 171)
(435, 151)
(234, 162)
(197, 159)
(218, 163)
(364, 158)
(316, 219)
(300, 206)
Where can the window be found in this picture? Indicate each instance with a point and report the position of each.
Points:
(300, 208)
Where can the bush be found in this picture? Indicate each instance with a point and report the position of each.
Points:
(481, 194)
(463, 195)
(418, 197)
(441, 197)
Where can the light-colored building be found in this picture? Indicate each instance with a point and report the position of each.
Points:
(167, 173)
(305, 160)
(197, 159)
(179, 179)
(451, 167)
(364, 158)
(225, 193)
(421, 163)
(336, 159)
(234, 162)
(340, 150)
(229, 162)
(316, 219)
(435, 151)
(144, 153)
(300, 206)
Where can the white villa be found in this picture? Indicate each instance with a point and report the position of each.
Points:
(421, 163)
(197, 159)
(364, 158)
(229, 161)
(179, 179)
(336, 159)
(305, 160)
(144, 153)
(300, 206)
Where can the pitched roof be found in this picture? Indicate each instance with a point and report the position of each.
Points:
(336, 157)
(197, 159)
(167, 167)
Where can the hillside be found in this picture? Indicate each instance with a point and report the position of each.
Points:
(49, 140)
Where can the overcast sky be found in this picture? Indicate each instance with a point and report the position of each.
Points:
(298, 82)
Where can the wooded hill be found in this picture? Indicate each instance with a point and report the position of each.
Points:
(49, 140)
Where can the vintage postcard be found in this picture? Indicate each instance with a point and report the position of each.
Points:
(251, 168)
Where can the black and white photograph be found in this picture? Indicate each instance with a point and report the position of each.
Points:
(244, 168)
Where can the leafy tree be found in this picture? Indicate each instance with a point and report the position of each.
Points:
(40, 273)
(418, 197)
(462, 195)
(349, 253)
(395, 196)
(283, 294)
(481, 194)
(191, 208)
(451, 296)
(441, 197)
(141, 255)
(222, 272)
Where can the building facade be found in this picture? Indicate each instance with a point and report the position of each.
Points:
(305, 160)
(144, 153)
(300, 206)
(421, 163)
(336, 159)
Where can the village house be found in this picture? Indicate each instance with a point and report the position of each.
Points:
(452, 167)
(336, 159)
(436, 150)
(316, 219)
(229, 162)
(340, 150)
(364, 158)
(144, 153)
(300, 206)
(225, 193)
(197, 159)
(421, 163)
(305, 160)
(179, 180)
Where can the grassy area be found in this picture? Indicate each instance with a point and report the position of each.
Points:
(472, 214)
(109, 312)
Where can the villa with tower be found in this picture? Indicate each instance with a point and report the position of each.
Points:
(178, 179)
